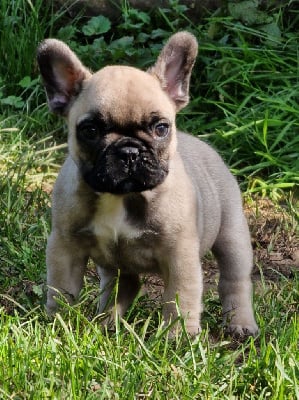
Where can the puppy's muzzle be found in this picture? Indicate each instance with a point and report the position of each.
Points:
(128, 165)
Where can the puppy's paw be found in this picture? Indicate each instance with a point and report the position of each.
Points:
(193, 330)
(51, 307)
(242, 331)
(108, 319)
(176, 330)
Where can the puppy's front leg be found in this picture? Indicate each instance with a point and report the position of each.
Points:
(124, 286)
(66, 264)
(183, 279)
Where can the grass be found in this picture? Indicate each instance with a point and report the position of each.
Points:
(244, 102)
(72, 358)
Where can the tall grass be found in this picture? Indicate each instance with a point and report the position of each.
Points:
(23, 23)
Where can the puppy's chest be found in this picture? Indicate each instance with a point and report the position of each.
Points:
(110, 223)
(123, 238)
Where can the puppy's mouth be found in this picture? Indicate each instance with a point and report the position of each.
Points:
(124, 167)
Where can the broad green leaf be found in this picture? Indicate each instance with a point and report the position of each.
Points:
(97, 26)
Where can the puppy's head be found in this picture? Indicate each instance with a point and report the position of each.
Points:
(121, 120)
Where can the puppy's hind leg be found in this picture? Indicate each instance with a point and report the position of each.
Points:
(117, 293)
(234, 254)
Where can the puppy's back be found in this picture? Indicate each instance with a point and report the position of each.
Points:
(217, 191)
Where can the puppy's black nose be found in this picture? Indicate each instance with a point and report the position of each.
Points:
(128, 153)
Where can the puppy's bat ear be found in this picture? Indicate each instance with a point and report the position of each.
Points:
(62, 73)
(174, 66)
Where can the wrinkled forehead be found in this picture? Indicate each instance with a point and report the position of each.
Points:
(124, 93)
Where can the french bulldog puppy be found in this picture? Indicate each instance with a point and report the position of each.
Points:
(137, 196)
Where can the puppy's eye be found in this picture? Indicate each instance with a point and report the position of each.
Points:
(88, 132)
(161, 129)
